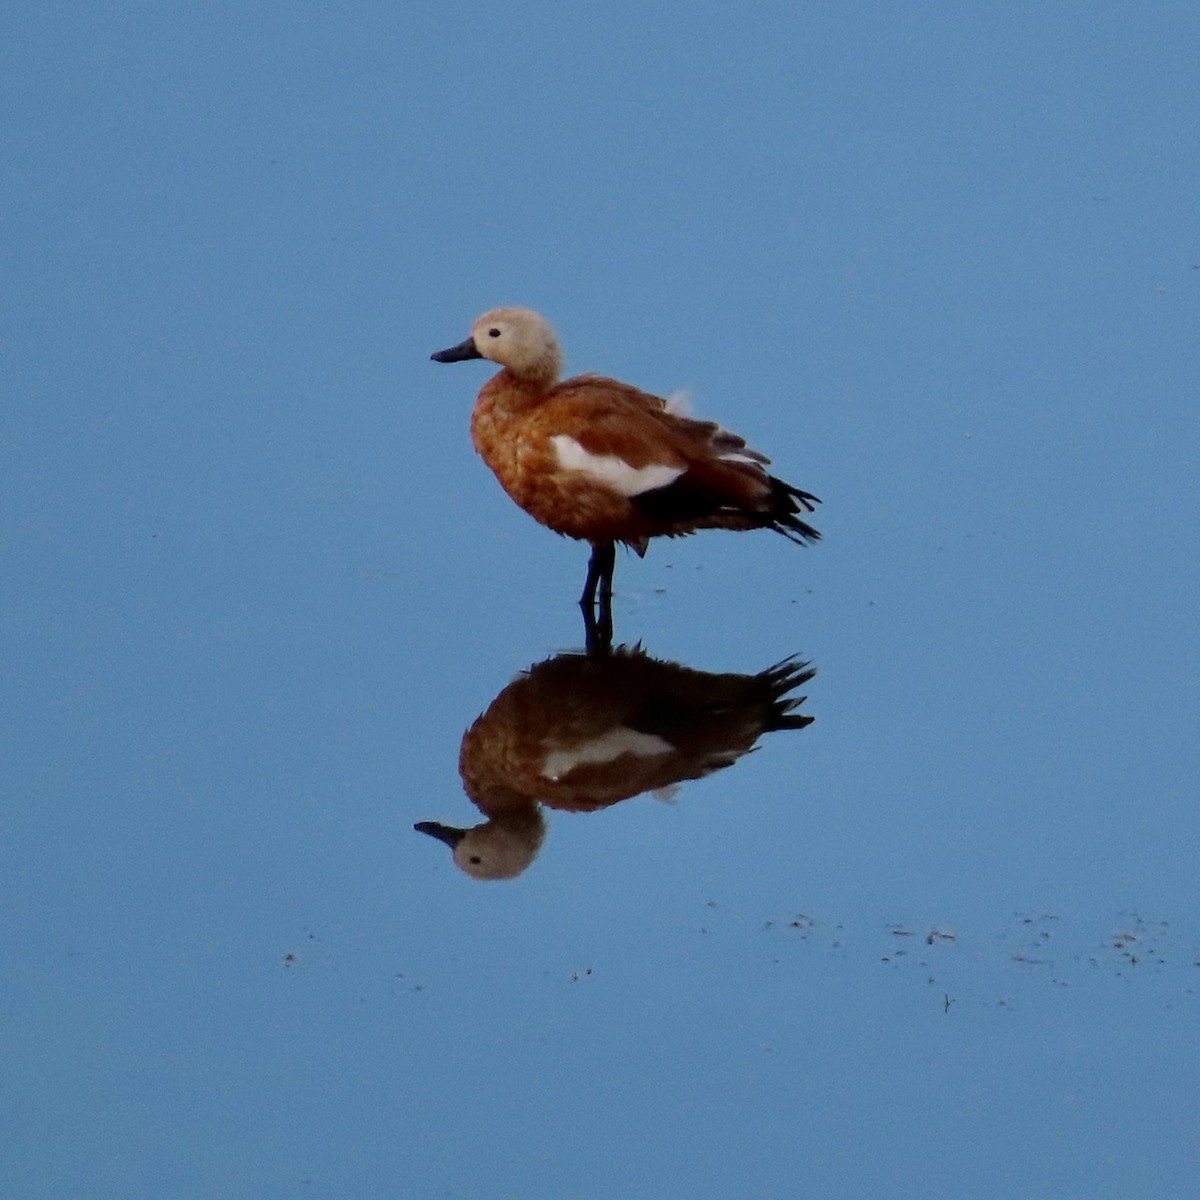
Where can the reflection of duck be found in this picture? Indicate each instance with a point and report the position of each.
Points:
(582, 732)
(596, 459)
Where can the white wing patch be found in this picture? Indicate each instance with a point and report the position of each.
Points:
(610, 470)
(608, 747)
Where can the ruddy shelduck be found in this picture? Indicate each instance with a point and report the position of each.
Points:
(596, 459)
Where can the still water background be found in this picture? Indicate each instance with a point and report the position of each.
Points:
(942, 266)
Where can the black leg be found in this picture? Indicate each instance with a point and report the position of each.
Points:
(597, 618)
(599, 573)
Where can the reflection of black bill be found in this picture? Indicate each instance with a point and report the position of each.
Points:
(443, 833)
(459, 353)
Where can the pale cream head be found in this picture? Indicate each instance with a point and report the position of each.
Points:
(522, 341)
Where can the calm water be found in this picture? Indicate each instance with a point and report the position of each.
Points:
(942, 940)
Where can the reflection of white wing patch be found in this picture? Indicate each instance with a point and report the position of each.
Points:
(610, 470)
(608, 747)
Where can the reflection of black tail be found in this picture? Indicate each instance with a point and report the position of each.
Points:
(710, 720)
(787, 503)
(780, 679)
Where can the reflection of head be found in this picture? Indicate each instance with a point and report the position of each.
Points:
(499, 849)
(581, 733)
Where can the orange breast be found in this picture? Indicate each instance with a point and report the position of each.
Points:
(512, 430)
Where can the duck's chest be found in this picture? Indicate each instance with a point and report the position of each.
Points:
(514, 439)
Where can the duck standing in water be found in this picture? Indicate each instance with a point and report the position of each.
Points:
(596, 459)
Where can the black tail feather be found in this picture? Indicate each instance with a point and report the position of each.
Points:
(787, 504)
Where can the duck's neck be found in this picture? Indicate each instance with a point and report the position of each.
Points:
(515, 393)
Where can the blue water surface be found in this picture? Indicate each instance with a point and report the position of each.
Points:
(940, 265)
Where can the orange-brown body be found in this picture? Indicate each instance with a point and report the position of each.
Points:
(515, 420)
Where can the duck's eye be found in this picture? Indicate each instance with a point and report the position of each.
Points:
(493, 333)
